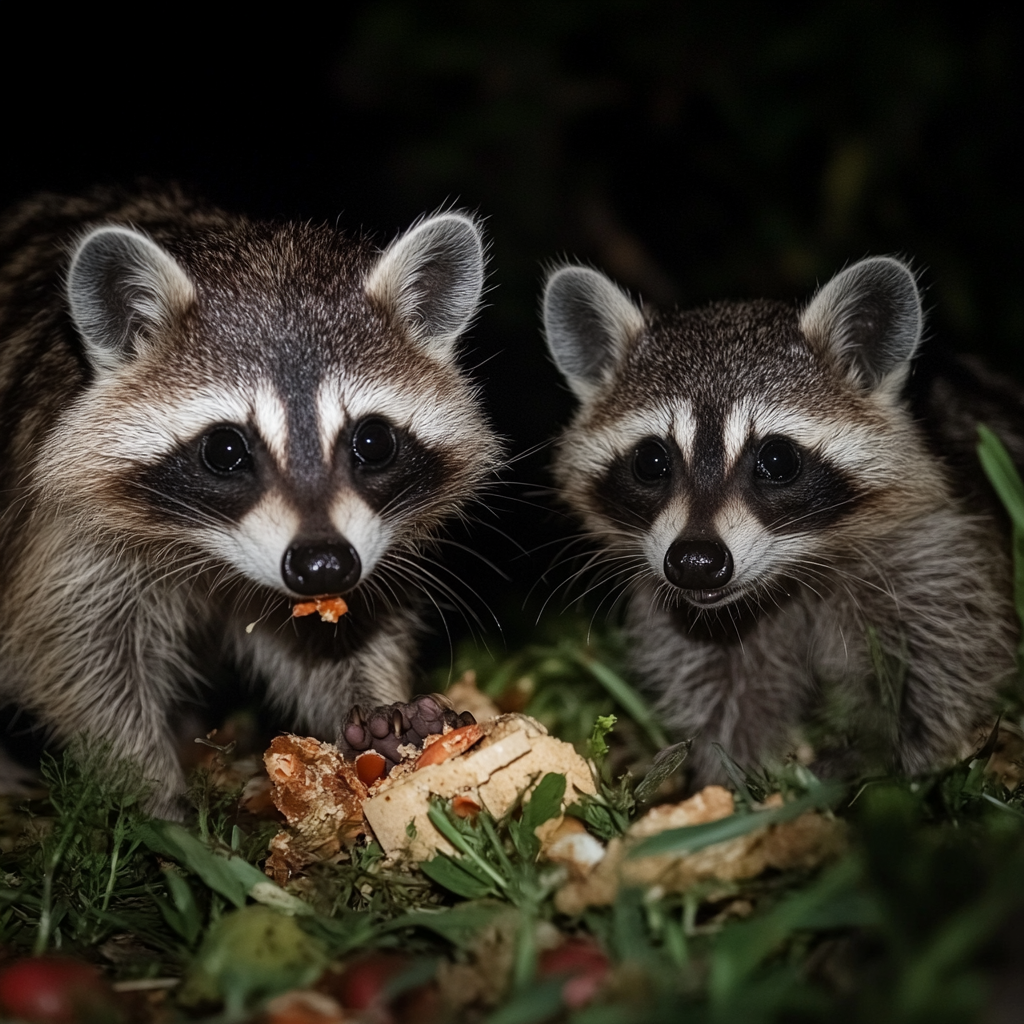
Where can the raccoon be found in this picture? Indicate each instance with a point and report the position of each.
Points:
(205, 418)
(798, 551)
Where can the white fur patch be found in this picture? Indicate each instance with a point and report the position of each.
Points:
(736, 431)
(362, 528)
(146, 432)
(256, 545)
(345, 400)
(598, 447)
(856, 447)
(669, 525)
(684, 429)
(271, 419)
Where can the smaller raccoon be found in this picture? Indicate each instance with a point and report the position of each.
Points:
(206, 418)
(795, 545)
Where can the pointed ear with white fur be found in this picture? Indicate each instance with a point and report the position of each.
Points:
(868, 317)
(589, 322)
(122, 287)
(431, 279)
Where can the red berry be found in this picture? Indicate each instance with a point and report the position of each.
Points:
(363, 981)
(55, 990)
(585, 965)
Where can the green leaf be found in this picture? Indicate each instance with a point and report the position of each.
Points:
(171, 840)
(544, 804)
(696, 837)
(831, 901)
(457, 877)
(232, 877)
(460, 925)
(605, 821)
(597, 745)
(188, 919)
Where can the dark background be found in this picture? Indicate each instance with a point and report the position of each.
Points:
(693, 152)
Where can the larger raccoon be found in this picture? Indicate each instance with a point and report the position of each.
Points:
(796, 547)
(205, 418)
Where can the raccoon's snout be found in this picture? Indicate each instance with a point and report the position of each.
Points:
(327, 567)
(698, 564)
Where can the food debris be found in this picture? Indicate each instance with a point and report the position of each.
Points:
(370, 766)
(304, 1006)
(1006, 762)
(483, 981)
(330, 608)
(805, 842)
(320, 794)
(511, 756)
(328, 801)
(440, 747)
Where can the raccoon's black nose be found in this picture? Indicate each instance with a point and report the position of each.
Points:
(324, 568)
(698, 564)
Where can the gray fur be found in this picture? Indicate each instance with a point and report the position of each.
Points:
(869, 316)
(132, 327)
(589, 322)
(870, 594)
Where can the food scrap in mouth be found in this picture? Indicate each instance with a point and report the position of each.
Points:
(330, 608)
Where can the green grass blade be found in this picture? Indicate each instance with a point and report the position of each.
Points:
(1002, 474)
(622, 692)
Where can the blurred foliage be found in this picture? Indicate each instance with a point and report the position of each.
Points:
(707, 151)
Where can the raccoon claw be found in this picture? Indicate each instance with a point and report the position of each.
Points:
(389, 726)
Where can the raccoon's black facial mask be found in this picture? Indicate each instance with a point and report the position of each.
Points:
(391, 468)
(220, 475)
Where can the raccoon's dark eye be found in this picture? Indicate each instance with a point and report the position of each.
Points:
(651, 461)
(225, 450)
(374, 443)
(778, 461)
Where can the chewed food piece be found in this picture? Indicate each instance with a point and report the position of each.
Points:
(330, 608)
(480, 767)
(370, 766)
(320, 795)
(440, 747)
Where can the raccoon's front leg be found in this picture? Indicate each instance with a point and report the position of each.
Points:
(98, 654)
(316, 673)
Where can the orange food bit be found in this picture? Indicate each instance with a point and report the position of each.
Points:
(465, 807)
(370, 766)
(448, 745)
(330, 608)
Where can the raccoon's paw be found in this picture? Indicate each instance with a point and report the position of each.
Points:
(387, 727)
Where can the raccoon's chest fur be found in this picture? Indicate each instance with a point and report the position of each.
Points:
(796, 550)
(205, 419)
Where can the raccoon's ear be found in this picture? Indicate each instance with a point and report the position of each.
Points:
(589, 322)
(121, 286)
(431, 279)
(869, 316)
